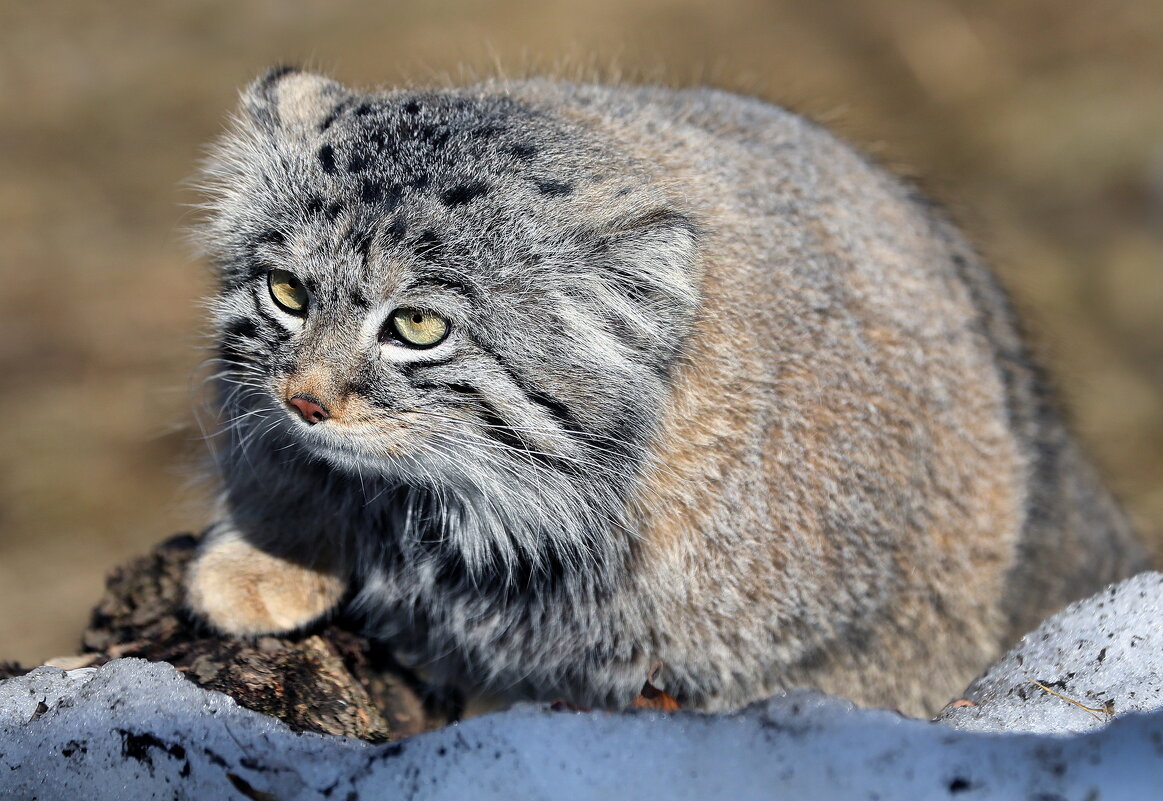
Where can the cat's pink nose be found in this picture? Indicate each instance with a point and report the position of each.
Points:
(311, 410)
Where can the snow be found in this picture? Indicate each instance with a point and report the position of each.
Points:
(137, 730)
(1106, 648)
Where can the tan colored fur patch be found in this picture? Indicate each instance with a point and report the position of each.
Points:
(243, 590)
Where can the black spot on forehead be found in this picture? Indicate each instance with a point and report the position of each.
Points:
(554, 188)
(357, 162)
(435, 136)
(327, 159)
(464, 193)
(362, 242)
(428, 245)
(359, 299)
(396, 231)
(371, 191)
(435, 122)
(522, 150)
(374, 191)
(315, 205)
(488, 131)
(389, 150)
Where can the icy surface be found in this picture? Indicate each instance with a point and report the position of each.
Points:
(1105, 653)
(141, 728)
(136, 730)
(29, 696)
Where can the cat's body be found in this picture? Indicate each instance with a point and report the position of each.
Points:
(704, 386)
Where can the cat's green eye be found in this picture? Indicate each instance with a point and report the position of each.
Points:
(288, 291)
(417, 328)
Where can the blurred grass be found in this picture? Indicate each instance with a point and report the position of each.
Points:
(1040, 122)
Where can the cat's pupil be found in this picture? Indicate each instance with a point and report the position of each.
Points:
(417, 318)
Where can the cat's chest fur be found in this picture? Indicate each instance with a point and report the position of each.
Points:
(555, 381)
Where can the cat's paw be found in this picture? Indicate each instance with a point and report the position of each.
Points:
(242, 590)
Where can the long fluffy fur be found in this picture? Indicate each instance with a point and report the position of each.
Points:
(718, 392)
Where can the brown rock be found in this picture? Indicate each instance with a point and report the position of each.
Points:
(329, 680)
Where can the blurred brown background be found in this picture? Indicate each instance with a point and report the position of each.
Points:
(1039, 122)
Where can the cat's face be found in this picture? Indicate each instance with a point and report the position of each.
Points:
(426, 286)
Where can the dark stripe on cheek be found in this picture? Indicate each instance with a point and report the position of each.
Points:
(556, 409)
(635, 287)
(549, 404)
(496, 427)
(463, 389)
(409, 369)
(230, 353)
(495, 424)
(240, 327)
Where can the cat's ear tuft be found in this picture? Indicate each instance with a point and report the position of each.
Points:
(291, 99)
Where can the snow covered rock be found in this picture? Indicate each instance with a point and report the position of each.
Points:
(133, 729)
(1104, 654)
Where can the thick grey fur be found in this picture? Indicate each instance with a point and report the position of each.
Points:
(717, 392)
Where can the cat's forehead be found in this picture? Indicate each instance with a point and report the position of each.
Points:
(475, 182)
(432, 134)
(435, 182)
(444, 152)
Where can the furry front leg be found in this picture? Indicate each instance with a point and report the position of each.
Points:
(241, 589)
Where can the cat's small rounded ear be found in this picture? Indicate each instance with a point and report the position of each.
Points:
(290, 99)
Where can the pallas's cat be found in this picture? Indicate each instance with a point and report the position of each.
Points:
(548, 382)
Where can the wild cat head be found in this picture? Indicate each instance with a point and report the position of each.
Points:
(442, 288)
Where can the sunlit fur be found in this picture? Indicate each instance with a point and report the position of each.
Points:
(715, 391)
